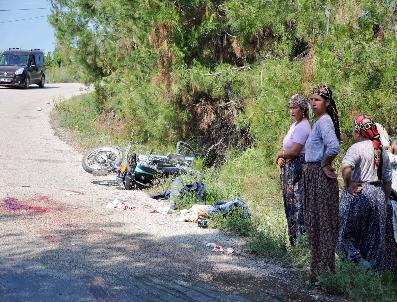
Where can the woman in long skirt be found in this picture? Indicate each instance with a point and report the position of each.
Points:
(320, 183)
(290, 159)
(367, 176)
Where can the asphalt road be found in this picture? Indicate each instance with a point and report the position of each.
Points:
(58, 242)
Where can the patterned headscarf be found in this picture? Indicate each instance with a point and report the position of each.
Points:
(301, 102)
(324, 91)
(366, 127)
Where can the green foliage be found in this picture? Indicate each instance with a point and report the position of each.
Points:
(268, 243)
(186, 201)
(233, 221)
(79, 115)
(157, 60)
(358, 283)
(66, 74)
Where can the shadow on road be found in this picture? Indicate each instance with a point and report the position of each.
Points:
(78, 261)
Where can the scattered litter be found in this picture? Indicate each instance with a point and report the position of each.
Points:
(178, 190)
(39, 108)
(122, 205)
(193, 214)
(75, 208)
(218, 248)
(222, 207)
(214, 247)
(202, 223)
(162, 210)
(225, 207)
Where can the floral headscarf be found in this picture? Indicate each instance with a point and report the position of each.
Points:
(300, 101)
(366, 127)
(324, 91)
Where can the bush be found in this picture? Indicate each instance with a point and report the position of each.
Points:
(358, 283)
(69, 74)
(233, 221)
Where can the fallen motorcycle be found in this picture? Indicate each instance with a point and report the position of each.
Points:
(138, 171)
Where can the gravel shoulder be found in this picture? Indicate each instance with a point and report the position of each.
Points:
(60, 243)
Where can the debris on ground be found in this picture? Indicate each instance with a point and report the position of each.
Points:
(225, 207)
(202, 223)
(197, 187)
(161, 210)
(222, 207)
(214, 247)
(218, 248)
(122, 205)
(193, 214)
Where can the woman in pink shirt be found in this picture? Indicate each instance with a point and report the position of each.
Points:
(290, 159)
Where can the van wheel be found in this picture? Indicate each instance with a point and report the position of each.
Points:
(42, 81)
(27, 83)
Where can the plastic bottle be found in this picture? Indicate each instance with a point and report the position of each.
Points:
(176, 185)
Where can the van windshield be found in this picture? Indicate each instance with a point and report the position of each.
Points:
(7, 59)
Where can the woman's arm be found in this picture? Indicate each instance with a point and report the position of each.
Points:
(293, 152)
(352, 187)
(332, 146)
(346, 174)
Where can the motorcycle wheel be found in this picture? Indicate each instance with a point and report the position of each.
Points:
(101, 160)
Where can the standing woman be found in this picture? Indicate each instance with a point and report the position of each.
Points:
(367, 177)
(320, 184)
(291, 159)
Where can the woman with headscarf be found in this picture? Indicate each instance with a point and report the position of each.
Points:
(290, 159)
(367, 176)
(320, 184)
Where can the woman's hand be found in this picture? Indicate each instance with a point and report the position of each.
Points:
(279, 155)
(280, 162)
(354, 188)
(329, 171)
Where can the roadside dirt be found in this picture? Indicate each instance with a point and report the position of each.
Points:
(61, 243)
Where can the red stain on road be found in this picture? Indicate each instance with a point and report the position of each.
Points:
(47, 217)
(37, 209)
(13, 204)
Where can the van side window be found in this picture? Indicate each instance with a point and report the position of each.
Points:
(38, 58)
(32, 60)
